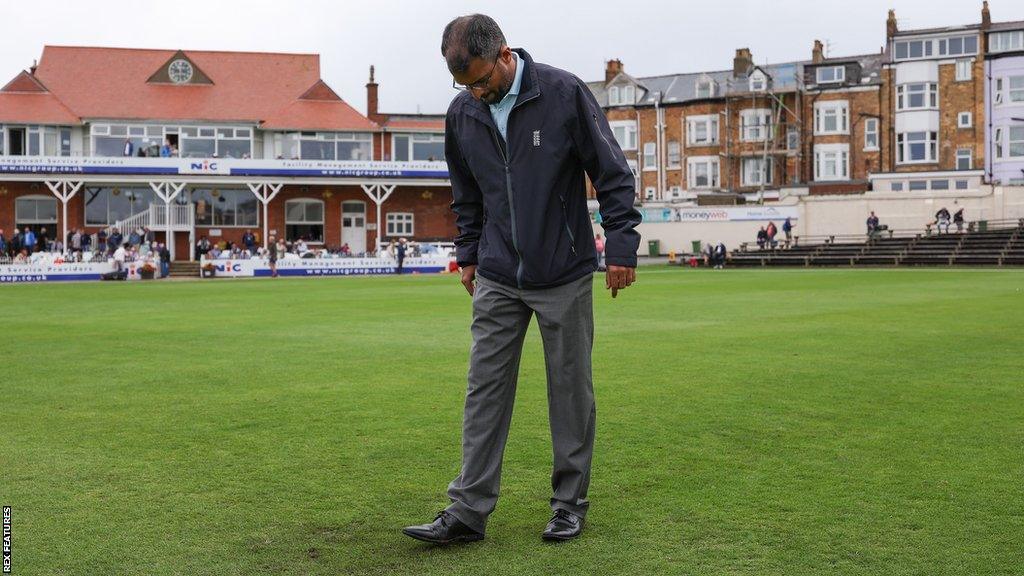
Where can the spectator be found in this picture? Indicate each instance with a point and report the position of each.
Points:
(43, 242)
(17, 243)
(3, 243)
(165, 150)
(249, 240)
(400, 249)
(762, 238)
(787, 229)
(872, 223)
(279, 251)
(958, 219)
(76, 244)
(28, 240)
(128, 147)
(720, 254)
(709, 254)
(301, 248)
(22, 257)
(114, 240)
(86, 242)
(772, 231)
(345, 250)
(202, 247)
(165, 261)
(120, 255)
(599, 245)
(135, 238)
(101, 241)
(148, 236)
(942, 220)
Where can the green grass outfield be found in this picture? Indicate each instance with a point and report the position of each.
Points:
(755, 422)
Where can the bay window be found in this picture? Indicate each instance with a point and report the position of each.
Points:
(916, 147)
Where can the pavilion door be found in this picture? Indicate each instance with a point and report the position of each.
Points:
(353, 225)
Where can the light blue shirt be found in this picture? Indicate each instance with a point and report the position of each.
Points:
(501, 110)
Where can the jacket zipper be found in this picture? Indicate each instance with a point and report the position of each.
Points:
(565, 220)
(508, 190)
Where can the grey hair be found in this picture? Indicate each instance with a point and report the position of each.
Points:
(468, 37)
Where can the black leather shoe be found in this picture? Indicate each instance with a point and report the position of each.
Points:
(564, 525)
(445, 529)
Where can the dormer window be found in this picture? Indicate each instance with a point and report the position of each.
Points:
(758, 81)
(831, 74)
(706, 88)
(622, 95)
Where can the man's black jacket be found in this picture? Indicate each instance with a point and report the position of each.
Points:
(521, 208)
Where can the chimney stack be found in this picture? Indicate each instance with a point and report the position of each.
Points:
(986, 16)
(612, 69)
(371, 97)
(35, 64)
(818, 54)
(742, 63)
(890, 25)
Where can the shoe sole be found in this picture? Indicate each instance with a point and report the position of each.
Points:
(554, 538)
(457, 539)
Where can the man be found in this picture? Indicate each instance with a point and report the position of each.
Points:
(520, 137)
(762, 238)
(165, 261)
(400, 250)
(3, 243)
(28, 240)
(249, 240)
(787, 229)
(958, 219)
(120, 255)
(771, 232)
(872, 224)
(942, 220)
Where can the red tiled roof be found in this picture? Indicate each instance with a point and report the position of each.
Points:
(34, 108)
(433, 125)
(246, 86)
(25, 99)
(318, 115)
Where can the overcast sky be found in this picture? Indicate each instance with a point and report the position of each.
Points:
(402, 37)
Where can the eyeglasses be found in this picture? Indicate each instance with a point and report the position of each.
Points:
(482, 82)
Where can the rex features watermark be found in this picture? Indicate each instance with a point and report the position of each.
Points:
(7, 539)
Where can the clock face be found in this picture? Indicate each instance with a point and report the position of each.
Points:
(180, 71)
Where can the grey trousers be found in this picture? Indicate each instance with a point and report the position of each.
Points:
(501, 316)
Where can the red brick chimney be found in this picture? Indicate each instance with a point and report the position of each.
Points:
(371, 98)
(818, 53)
(32, 70)
(612, 69)
(742, 63)
(986, 16)
(890, 25)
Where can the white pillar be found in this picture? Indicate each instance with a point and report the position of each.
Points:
(379, 193)
(168, 191)
(64, 190)
(265, 192)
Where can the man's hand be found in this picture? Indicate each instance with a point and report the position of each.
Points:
(618, 278)
(468, 276)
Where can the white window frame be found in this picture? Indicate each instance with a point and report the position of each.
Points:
(838, 75)
(713, 168)
(706, 88)
(613, 96)
(903, 144)
(629, 95)
(964, 120)
(964, 69)
(965, 153)
(1015, 96)
(753, 170)
(650, 160)
(944, 45)
(930, 92)
(871, 134)
(674, 157)
(624, 95)
(838, 108)
(411, 138)
(998, 139)
(755, 124)
(1011, 143)
(838, 153)
(304, 201)
(758, 81)
(650, 194)
(628, 129)
(400, 224)
(711, 126)
(38, 221)
(1009, 41)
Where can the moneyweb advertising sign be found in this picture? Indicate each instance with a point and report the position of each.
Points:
(720, 214)
(220, 166)
(324, 266)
